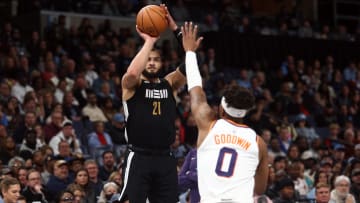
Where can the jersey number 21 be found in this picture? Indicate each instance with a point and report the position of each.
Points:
(156, 108)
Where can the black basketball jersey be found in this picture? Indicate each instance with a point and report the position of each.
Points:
(151, 115)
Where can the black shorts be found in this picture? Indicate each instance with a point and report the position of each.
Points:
(150, 174)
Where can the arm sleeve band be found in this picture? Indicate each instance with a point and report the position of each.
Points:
(178, 35)
(182, 69)
(193, 76)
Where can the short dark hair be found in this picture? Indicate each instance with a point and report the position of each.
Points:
(239, 97)
(107, 152)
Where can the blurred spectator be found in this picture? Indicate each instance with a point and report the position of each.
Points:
(274, 148)
(298, 179)
(293, 153)
(68, 134)
(355, 184)
(107, 193)
(55, 126)
(60, 91)
(350, 72)
(343, 33)
(93, 170)
(116, 178)
(15, 164)
(80, 91)
(82, 179)
(99, 141)
(280, 163)
(188, 177)
(59, 180)
(108, 165)
(70, 107)
(306, 30)
(325, 33)
(244, 78)
(21, 87)
(116, 130)
(30, 144)
(178, 151)
(246, 26)
(209, 24)
(92, 111)
(285, 138)
(21, 176)
(104, 78)
(341, 191)
(78, 191)
(28, 124)
(303, 129)
(319, 178)
(322, 193)
(35, 190)
(8, 150)
(10, 189)
(287, 192)
(90, 73)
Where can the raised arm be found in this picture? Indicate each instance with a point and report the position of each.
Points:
(132, 76)
(202, 112)
(262, 171)
(176, 78)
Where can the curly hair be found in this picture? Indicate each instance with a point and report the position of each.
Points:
(239, 97)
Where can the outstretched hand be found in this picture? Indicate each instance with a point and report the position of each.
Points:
(189, 37)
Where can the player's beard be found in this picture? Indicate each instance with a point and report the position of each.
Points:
(151, 75)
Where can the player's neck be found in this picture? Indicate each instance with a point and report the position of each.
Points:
(233, 119)
(152, 80)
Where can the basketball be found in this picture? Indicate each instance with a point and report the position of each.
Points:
(151, 20)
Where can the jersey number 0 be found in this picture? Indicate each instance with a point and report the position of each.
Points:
(228, 169)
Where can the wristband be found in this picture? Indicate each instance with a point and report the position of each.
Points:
(177, 32)
(182, 68)
(178, 36)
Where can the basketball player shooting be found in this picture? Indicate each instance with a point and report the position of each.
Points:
(232, 158)
(150, 110)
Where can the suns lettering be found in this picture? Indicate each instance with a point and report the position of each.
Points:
(232, 139)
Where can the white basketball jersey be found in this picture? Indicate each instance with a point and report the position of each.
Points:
(226, 162)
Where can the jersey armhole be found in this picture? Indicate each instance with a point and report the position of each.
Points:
(212, 125)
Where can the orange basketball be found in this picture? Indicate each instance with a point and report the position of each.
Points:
(151, 20)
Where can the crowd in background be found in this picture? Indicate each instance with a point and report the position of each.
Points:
(215, 15)
(61, 116)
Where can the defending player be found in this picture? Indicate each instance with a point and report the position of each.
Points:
(232, 159)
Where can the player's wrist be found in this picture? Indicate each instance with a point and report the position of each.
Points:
(190, 53)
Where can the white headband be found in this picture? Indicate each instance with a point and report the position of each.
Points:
(233, 112)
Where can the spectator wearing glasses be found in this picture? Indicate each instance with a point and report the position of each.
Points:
(35, 190)
(65, 196)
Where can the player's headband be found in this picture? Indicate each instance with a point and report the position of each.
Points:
(233, 112)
